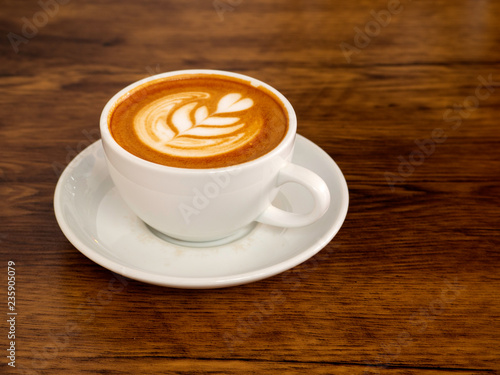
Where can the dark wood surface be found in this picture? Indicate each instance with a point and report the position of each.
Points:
(410, 284)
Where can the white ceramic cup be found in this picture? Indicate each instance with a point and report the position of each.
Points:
(199, 205)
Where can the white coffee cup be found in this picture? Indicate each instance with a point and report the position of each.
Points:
(211, 204)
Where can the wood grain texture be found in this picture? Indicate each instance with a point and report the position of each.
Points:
(410, 283)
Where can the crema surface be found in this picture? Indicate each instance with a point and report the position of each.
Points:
(200, 121)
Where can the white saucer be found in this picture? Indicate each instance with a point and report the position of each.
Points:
(99, 224)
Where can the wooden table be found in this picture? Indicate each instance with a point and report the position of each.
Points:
(404, 96)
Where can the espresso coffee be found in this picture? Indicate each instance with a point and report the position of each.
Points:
(198, 121)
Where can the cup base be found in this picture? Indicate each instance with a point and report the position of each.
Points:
(240, 233)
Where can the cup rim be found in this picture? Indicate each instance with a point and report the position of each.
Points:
(110, 141)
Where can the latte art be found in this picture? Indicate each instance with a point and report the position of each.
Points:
(182, 124)
(198, 121)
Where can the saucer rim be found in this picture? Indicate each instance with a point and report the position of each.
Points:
(202, 282)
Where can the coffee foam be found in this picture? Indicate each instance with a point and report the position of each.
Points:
(198, 121)
(197, 124)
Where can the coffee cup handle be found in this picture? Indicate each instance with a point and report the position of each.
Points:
(312, 182)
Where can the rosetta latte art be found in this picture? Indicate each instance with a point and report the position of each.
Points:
(182, 125)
